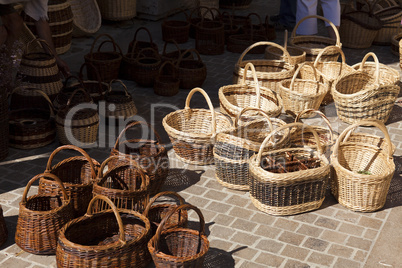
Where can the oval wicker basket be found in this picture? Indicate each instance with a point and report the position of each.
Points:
(192, 131)
(167, 81)
(112, 238)
(362, 172)
(87, 18)
(192, 72)
(135, 46)
(177, 30)
(145, 67)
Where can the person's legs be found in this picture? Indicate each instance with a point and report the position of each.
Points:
(287, 13)
(332, 11)
(306, 8)
(13, 24)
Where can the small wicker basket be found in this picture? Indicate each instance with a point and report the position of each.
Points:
(167, 81)
(192, 72)
(96, 88)
(177, 30)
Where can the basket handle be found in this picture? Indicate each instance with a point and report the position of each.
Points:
(122, 235)
(174, 72)
(328, 48)
(170, 193)
(123, 85)
(143, 29)
(250, 66)
(285, 41)
(326, 120)
(132, 124)
(187, 52)
(144, 177)
(377, 65)
(46, 174)
(258, 110)
(292, 82)
(172, 41)
(73, 77)
(199, 8)
(291, 125)
(88, 97)
(263, 43)
(205, 13)
(41, 42)
(211, 107)
(70, 147)
(258, 17)
(110, 39)
(229, 16)
(170, 213)
(98, 78)
(368, 123)
(142, 51)
(338, 39)
(44, 95)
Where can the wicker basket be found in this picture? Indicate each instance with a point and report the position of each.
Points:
(78, 124)
(192, 72)
(41, 217)
(236, 4)
(297, 55)
(179, 247)
(149, 154)
(87, 18)
(301, 94)
(233, 148)
(174, 55)
(233, 98)
(395, 41)
(292, 192)
(361, 95)
(96, 88)
(167, 81)
(177, 30)
(38, 70)
(192, 131)
(125, 184)
(210, 36)
(112, 238)
(135, 46)
(326, 134)
(358, 29)
(107, 63)
(144, 68)
(156, 212)
(3, 228)
(117, 10)
(269, 72)
(60, 22)
(196, 16)
(67, 91)
(351, 185)
(119, 104)
(77, 174)
(237, 43)
(314, 44)
(391, 20)
(31, 128)
(229, 27)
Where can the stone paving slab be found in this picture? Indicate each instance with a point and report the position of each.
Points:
(239, 234)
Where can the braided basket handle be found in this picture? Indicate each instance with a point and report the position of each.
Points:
(377, 65)
(291, 125)
(263, 43)
(368, 123)
(46, 174)
(338, 39)
(144, 177)
(133, 124)
(71, 147)
(250, 66)
(42, 43)
(167, 193)
(201, 232)
(75, 92)
(142, 29)
(110, 40)
(121, 83)
(211, 107)
(122, 235)
(326, 120)
(292, 82)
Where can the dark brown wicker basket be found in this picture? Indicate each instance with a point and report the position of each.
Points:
(179, 247)
(77, 174)
(67, 91)
(112, 238)
(125, 184)
(192, 72)
(150, 155)
(210, 36)
(167, 81)
(135, 46)
(196, 17)
(177, 30)
(107, 63)
(174, 55)
(3, 228)
(41, 217)
(96, 88)
(235, 4)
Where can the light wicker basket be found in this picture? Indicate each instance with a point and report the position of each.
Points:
(391, 19)
(87, 18)
(192, 131)
(292, 192)
(117, 10)
(363, 172)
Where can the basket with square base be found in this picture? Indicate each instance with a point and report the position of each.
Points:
(313, 44)
(269, 72)
(149, 154)
(290, 180)
(31, 128)
(110, 238)
(234, 98)
(125, 184)
(234, 147)
(362, 171)
(77, 174)
(156, 212)
(178, 246)
(192, 131)
(41, 216)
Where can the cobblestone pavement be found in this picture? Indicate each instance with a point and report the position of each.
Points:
(239, 234)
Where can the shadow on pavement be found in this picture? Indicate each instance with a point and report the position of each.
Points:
(180, 179)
